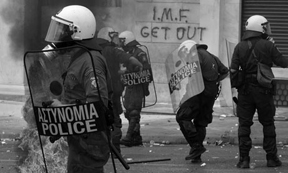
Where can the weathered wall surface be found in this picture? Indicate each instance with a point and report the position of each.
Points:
(161, 25)
(229, 34)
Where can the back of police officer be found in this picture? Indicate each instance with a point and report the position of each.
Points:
(109, 41)
(134, 94)
(71, 26)
(195, 114)
(251, 95)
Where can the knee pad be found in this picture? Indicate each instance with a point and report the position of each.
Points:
(134, 113)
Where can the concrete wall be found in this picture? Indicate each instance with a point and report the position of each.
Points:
(159, 24)
(229, 36)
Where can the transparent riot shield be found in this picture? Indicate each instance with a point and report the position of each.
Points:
(142, 82)
(59, 75)
(184, 75)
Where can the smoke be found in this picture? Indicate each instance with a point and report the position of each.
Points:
(12, 13)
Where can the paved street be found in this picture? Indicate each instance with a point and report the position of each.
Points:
(9, 156)
(217, 159)
(158, 125)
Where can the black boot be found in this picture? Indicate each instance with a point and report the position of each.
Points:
(128, 139)
(244, 162)
(273, 161)
(137, 138)
(195, 151)
(188, 157)
(197, 160)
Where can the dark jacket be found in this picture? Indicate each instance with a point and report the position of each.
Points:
(265, 50)
(114, 57)
(134, 94)
(213, 71)
(87, 151)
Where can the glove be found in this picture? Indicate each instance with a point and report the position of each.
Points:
(56, 103)
(146, 92)
(134, 64)
(270, 39)
(52, 139)
(47, 104)
(146, 89)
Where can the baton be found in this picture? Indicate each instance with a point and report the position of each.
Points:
(146, 161)
(118, 155)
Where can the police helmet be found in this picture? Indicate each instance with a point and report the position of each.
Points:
(107, 33)
(73, 22)
(126, 37)
(258, 23)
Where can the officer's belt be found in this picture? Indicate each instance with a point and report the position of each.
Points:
(251, 78)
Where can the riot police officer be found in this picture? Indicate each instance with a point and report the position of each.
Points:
(251, 95)
(76, 25)
(134, 94)
(114, 55)
(195, 114)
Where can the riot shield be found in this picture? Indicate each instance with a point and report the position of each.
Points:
(143, 78)
(46, 73)
(45, 79)
(184, 75)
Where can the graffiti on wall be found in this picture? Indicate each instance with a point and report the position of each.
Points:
(170, 22)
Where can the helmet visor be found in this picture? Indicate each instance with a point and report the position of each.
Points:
(58, 32)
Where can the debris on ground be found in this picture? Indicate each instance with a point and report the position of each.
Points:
(29, 142)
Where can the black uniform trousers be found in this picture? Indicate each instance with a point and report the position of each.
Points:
(252, 98)
(193, 117)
